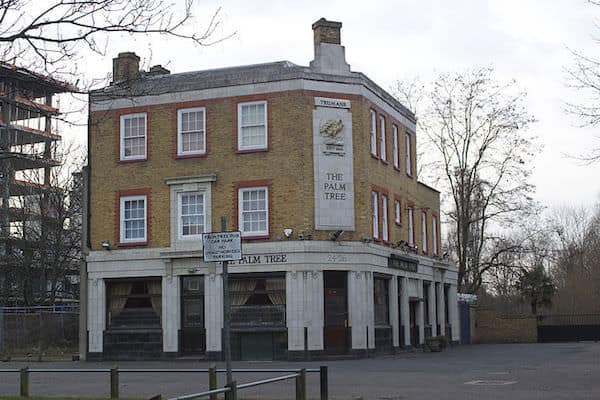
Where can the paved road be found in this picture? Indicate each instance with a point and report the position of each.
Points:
(520, 371)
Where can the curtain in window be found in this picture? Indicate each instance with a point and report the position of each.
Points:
(119, 293)
(240, 290)
(155, 291)
(276, 290)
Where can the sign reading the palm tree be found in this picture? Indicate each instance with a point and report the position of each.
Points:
(222, 246)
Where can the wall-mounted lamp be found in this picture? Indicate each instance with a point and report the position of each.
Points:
(288, 232)
(336, 235)
(106, 245)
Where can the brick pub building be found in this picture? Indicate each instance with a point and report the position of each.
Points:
(316, 167)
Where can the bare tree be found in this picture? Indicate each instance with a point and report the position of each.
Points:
(478, 129)
(47, 35)
(577, 265)
(584, 76)
(49, 220)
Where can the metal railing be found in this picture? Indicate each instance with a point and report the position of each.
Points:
(230, 390)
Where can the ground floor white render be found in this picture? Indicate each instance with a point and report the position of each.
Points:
(289, 299)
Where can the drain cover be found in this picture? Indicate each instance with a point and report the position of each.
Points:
(490, 383)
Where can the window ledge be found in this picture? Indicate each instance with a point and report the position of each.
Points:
(191, 155)
(375, 156)
(255, 237)
(385, 161)
(247, 151)
(132, 244)
(397, 168)
(134, 160)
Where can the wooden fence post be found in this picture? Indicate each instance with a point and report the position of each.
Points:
(301, 385)
(212, 380)
(114, 382)
(232, 394)
(24, 382)
(323, 378)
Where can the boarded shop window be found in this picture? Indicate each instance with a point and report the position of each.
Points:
(257, 301)
(134, 304)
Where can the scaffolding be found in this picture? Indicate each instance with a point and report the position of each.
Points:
(28, 143)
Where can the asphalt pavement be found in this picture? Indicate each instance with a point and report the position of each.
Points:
(509, 371)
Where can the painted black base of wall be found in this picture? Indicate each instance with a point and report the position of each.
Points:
(214, 356)
(134, 344)
(94, 356)
(310, 355)
(567, 333)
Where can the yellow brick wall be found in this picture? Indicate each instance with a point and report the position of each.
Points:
(288, 164)
(369, 170)
(491, 327)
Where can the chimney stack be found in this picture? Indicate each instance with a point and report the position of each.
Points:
(126, 67)
(158, 70)
(330, 55)
(327, 32)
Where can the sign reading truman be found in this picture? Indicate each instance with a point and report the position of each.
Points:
(333, 165)
(222, 246)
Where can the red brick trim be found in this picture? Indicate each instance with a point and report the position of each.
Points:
(117, 121)
(247, 184)
(133, 192)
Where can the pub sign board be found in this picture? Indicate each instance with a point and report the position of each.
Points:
(222, 246)
(406, 264)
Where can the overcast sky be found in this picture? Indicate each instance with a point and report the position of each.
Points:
(528, 40)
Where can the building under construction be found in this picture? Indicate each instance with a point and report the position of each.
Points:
(28, 141)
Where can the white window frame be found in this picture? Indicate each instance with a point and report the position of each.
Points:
(122, 201)
(396, 154)
(424, 231)
(180, 234)
(373, 133)
(241, 211)
(266, 118)
(434, 234)
(408, 145)
(186, 184)
(382, 139)
(384, 218)
(397, 211)
(180, 112)
(411, 226)
(123, 117)
(375, 214)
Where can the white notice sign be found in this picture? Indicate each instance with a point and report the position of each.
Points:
(222, 246)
